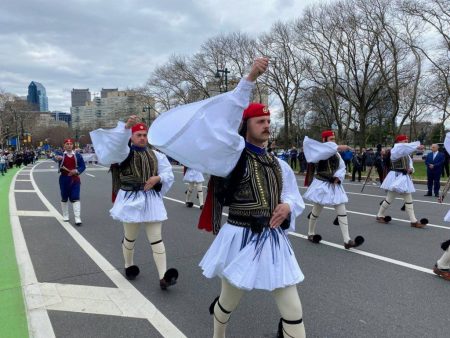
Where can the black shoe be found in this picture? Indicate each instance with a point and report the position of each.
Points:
(170, 278)
(201, 207)
(429, 194)
(189, 204)
(131, 272)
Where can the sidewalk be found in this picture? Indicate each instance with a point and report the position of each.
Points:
(13, 318)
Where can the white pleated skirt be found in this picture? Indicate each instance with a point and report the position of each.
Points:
(137, 207)
(193, 176)
(249, 261)
(325, 193)
(398, 182)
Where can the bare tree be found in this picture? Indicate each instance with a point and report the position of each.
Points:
(285, 74)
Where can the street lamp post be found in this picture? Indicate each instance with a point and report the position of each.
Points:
(147, 109)
(225, 72)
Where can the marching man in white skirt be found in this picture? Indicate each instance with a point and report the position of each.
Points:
(252, 249)
(195, 179)
(326, 188)
(442, 266)
(141, 177)
(399, 182)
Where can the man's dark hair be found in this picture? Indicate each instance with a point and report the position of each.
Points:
(243, 129)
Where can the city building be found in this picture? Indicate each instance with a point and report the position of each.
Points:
(80, 97)
(37, 96)
(105, 92)
(104, 112)
(62, 116)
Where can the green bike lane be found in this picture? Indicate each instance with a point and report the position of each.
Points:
(13, 317)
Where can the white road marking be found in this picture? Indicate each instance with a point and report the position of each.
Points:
(39, 325)
(89, 299)
(129, 296)
(371, 255)
(90, 175)
(24, 191)
(355, 251)
(32, 213)
(22, 180)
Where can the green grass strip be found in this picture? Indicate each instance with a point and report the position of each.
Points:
(13, 318)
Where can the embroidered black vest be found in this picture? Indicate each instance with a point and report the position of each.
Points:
(326, 168)
(135, 170)
(401, 164)
(259, 190)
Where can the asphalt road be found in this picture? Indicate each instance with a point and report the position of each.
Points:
(384, 289)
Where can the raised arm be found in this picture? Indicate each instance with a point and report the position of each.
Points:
(204, 135)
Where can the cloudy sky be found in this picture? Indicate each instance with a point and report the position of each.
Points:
(107, 44)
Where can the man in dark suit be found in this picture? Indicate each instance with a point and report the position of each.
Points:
(434, 162)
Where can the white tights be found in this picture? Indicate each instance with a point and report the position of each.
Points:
(195, 186)
(153, 230)
(287, 300)
(342, 218)
(408, 205)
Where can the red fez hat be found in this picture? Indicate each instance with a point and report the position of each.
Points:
(139, 127)
(327, 133)
(255, 110)
(68, 140)
(400, 138)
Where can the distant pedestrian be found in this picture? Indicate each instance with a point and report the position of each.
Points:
(357, 165)
(434, 163)
(347, 156)
(302, 161)
(293, 156)
(3, 160)
(379, 163)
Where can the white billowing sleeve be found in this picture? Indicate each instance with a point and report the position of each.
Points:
(411, 164)
(290, 193)
(111, 145)
(340, 173)
(447, 142)
(165, 172)
(403, 149)
(204, 135)
(317, 151)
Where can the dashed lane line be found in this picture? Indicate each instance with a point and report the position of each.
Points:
(341, 247)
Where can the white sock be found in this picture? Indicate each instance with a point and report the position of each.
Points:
(229, 300)
(444, 261)
(131, 231)
(189, 191)
(315, 213)
(409, 207)
(343, 221)
(290, 308)
(153, 231)
(200, 193)
(386, 203)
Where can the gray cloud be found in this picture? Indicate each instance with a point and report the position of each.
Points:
(98, 43)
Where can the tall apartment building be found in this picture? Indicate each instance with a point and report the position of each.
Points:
(105, 92)
(37, 96)
(80, 97)
(104, 112)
